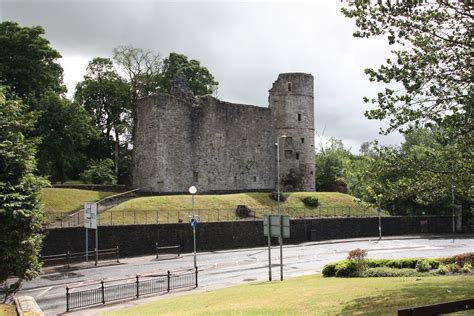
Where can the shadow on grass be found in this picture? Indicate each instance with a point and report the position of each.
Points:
(427, 291)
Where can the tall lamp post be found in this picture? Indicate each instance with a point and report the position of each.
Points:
(280, 239)
(452, 201)
(193, 190)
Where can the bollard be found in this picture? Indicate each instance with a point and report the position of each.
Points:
(196, 276)
(156, 247)
(68, 255)
(96, 254)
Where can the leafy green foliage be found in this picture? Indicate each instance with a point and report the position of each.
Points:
(310, 201)
(331, 163)
(423, 266)
(466, 268)
(391, 272)
(200, 80)
(428, 87)
(65, 129)
(345, 269)
(100, 172)
(465, 258)
(442, 269)
(106, 97)
(20, 214)
(27, 62)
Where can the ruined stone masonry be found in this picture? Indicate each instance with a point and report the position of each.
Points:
(226, 147)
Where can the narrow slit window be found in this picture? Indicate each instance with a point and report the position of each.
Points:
(299, 117)
(195, 177)
(297, 156)
(302, 140)
(289, 86)
(254, 179)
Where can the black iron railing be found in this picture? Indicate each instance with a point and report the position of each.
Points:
(173, 250)
(69, 257)
(128, 288)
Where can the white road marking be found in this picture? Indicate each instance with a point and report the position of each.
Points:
(49, 288)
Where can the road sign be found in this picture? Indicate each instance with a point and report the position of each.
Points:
(379, 210)
(90, 215)
(193, 222)
(279, 226)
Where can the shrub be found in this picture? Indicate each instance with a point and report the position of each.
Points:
(423, 266)
(391, 272)
(329, 269)
(310, 201)
(466, 268)
(345, 269)
(453, 268)
(358, 257)
(442, 269)
(465, 258)
(99, 172)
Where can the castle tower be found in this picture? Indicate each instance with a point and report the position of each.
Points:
(291, 102)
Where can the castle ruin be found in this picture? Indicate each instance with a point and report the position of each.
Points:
(226, 147)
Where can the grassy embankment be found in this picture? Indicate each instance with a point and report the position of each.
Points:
(56, 200)
(7, 310)
(314, 295)
(222, 207)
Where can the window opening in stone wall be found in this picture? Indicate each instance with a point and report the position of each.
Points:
(235, 178)
(299, 117)
(288, 154)
(302, 140)
(288, 141)
(195, 176)
(254, 179)
(311, 172)
(297, 156)
(289, 86)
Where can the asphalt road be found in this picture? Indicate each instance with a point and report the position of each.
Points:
(223, 268)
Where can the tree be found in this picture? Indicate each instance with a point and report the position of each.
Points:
(431, 65)
(330, 167)
(27, 62)
(200, 80)
(429, 84)
(20, 214)
(65, 129)
(106, 97)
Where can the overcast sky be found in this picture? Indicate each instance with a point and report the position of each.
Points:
(245, 45)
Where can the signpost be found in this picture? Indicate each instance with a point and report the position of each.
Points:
(379, 211)
(90, 222)
(276, 226)
(193, 221)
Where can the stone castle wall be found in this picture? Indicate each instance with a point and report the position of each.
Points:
(220, 146)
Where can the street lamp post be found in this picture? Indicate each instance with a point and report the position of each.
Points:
(193, 190)
(280, 239)
(452, 201)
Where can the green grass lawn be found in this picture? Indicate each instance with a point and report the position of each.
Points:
(164, 209)
(57, 200)
(314, 295)
(7, 310)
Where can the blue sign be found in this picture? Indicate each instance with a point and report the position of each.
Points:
(193, 222)
(379, 210)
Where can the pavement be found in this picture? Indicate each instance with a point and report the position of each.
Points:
(218, 269)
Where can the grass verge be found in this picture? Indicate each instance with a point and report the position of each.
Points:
(7, 310)
(314, 295)
(57, 200)
(169, 209)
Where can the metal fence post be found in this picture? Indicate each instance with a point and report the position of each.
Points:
(102, 289)
(169, 276)
(67, 298)
(118, 256)
(196, 276)
(134, 217)
(138, 287)
(218, 219)
(157, 217)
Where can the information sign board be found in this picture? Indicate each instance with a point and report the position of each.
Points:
(278, 225)
(90, 215)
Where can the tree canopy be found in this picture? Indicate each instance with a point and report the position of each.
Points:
(20, 214)
(200, 80)
(27, 62)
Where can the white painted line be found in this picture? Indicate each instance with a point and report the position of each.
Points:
(49, 288)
